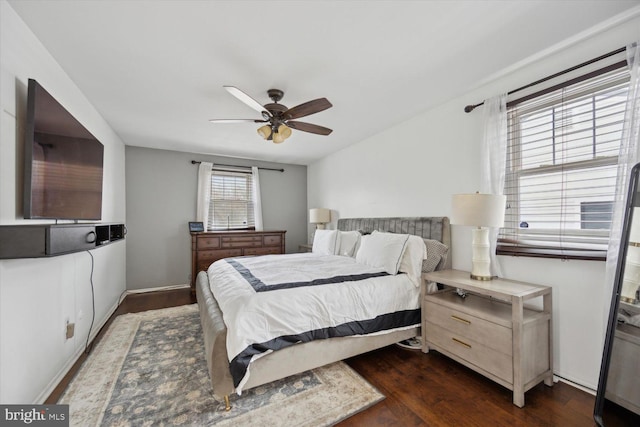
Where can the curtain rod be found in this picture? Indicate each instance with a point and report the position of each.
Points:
(470, 108)
(195, 162)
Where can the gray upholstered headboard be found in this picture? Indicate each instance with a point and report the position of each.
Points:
(430, 227)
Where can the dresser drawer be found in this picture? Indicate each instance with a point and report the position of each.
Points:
(272, 240)
(215, 255)
(470, 327)
(262, 251)
(241, 241)
(203, 266)
(208, 242)
(488, 359)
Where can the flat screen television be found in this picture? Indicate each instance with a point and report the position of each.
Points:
(62, 162)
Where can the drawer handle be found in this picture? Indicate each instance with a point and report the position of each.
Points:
(461, 320)
(461, 342)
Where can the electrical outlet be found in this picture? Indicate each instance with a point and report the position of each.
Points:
(71, 327)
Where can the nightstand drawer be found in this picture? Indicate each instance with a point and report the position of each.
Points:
(470, 327)
(490, 360)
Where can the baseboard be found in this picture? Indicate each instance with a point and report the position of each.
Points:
(42, 397)
(573, 384)
(159, 288)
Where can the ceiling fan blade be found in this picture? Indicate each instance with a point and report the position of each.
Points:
(236, 121)
(308, 127)
(246, 99)
(307, 108)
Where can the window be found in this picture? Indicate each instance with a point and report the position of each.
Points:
(562, 157)
(231, 204)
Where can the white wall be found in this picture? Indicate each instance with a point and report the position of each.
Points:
(413, 169)
(38, 296)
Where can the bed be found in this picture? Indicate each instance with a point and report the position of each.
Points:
(301, 356)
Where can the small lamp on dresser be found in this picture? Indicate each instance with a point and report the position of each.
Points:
(481, 211)
(319, 217)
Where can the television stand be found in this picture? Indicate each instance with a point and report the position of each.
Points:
(47, 240)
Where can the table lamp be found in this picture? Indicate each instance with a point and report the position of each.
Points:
(319, 217)
(481, 211)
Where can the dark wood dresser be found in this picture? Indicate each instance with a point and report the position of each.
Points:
(207, 247)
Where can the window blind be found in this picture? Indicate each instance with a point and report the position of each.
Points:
(562, 156)
(231, 205)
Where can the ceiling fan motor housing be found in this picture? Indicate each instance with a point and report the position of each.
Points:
(275, 94)
(276, 110)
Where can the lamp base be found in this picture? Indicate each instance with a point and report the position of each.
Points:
(475, 277)
(481, 260)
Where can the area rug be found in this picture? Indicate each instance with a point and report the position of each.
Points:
(149, 369)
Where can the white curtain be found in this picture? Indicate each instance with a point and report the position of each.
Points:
(627, 158)
(257, 199)
(204, 193)
(493, 157)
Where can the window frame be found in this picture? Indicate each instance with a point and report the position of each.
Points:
(506, 246)
(250, 204)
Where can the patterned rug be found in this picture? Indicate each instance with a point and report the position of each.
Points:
(149, 369)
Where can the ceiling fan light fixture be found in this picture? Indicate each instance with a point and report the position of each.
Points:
(278, 138)
(284, 130)
(264, 131)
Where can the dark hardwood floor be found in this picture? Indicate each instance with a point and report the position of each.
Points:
(421, 389)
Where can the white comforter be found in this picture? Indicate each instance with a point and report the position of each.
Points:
(272, 301)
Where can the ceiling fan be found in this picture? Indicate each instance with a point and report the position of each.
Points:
(279, 118)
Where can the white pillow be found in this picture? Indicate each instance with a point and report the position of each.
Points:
(325, 242)
(411, 262)
(383, 250)
(348, 243)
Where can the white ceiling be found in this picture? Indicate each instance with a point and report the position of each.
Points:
(155, 69)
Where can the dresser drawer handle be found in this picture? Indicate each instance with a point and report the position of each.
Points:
(461, 342)
(459, 319)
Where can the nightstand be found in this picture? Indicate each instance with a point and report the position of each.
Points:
(304, 248)
(490, 330)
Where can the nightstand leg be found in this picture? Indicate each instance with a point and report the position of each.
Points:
(423, 316)
(517, 309)
(547, 307)
(518, 399)
(425, 347)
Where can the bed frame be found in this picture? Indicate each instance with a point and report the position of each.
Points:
(302, 357)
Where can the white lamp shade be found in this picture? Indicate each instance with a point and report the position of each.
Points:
(319, 216)
(480, 210)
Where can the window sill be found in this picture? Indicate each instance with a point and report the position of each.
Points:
(218, 230)
(584, 255)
